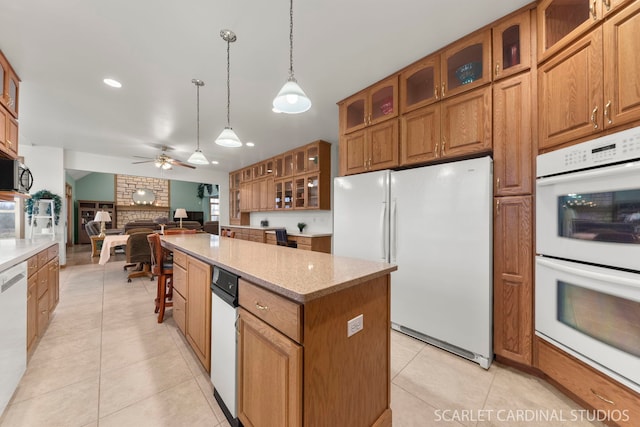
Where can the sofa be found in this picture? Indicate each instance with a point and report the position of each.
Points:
(156, 224)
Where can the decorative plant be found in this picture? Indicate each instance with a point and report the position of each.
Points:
(44, 195)
(301, 226)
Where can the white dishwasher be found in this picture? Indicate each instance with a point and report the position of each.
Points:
(13, 330)
(224, 307)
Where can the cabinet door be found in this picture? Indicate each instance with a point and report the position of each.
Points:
(466, 123)
(267, 197)
(287, 164)
(420, 135)
(52, 282)
(352, 153)
(269, 375)
(312, 157)
(4, 114)
(312, 188)
(420, 84)
(299, 193)
(382, 145)
(288, 193)
(353, 114)
(562, 21)
(11, 141)
(383, 101)
(466, 64)
(512, 45)
(246, 198)
(621, 65)
(32, 310)
(256, 187)
(199, 312)
(43, 313)
(279, 194)
(513, 287)
(570, 92)
(512, 147)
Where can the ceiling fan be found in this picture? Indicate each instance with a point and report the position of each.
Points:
(163, 161)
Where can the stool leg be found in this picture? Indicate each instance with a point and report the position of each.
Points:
(162, 286)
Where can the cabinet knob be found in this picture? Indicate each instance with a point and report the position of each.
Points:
(592, 10)
(604, 399)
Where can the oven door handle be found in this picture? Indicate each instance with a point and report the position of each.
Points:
(609, 171)
(583, 272)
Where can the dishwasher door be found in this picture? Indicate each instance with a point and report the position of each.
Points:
(13, 330)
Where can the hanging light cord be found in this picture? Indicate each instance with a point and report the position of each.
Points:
(198, 113)
(228, 86)
(291, 39)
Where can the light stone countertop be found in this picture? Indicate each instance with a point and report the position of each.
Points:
(15, 251)
(295, 274)
(298, 234)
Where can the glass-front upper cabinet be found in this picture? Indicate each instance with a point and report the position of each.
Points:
(313, 193)
(466, 64)
(512, 45)
(9, 84)
(234, 179)
(247, 174)
(312, 158)
(562, 21)
(269, 167)
(373, 105)
(287, 164)
(300, 193)
(420, 84)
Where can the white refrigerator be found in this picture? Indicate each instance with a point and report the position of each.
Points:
(435, 223)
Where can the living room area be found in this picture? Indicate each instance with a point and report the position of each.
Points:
(118, 203)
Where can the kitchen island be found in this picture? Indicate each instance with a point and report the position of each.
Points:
(314, 332)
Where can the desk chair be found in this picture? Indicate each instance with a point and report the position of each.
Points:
(138, 253)
(163, 268)
(283, 240)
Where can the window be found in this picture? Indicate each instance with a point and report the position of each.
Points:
(7, 220)
(214, 208)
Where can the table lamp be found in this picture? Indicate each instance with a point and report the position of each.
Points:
(102, 217)
(181, 213)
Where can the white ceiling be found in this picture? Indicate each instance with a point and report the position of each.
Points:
(63, 49)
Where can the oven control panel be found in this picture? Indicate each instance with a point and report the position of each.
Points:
(614, 148)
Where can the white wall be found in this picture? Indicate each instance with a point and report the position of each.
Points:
(46, 165)
(317, 221)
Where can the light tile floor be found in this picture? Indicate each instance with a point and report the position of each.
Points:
(105, 361)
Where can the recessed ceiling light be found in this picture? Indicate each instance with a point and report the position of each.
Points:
(250, 144)
(112, 83)
(215, 162)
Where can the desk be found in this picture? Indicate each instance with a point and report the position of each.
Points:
(111, 242)
(310, 242)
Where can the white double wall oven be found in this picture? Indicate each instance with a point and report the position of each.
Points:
(588, 253)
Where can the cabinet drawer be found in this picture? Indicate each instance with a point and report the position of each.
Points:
(179, 311)
(303, 241)
(180, 280)
(52, 252)
(304, 247)
(43, 281)
(589, 385)
(282, 314)
(32, 265)
(43, 257)
(43, 314)
(180, 258)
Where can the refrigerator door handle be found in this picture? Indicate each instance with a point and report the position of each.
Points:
(394, 231)
(383, 227)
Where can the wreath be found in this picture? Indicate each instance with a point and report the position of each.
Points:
(43, 195)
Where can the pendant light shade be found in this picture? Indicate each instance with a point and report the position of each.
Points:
(197, 158)
(291, 99)
(228, 137)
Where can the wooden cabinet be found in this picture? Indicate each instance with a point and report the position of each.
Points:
(466, 64)
(43, 292)
(420, 84)
(591, 86)
(236, 214)
(180, 290)
(420, 137)
(370, 149)
(466, 123)
(593, 388)
(198, 323)
(270, 372)
(512, 138)
(286, 366)
(512, 283)
(10, 85)
(8, 134)
(512, 45)
(87, 210)
(370, 106)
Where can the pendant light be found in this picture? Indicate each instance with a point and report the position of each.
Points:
(228, 137)
(291, 99)
(197, 158)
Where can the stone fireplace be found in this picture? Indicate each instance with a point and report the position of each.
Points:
(128, 210)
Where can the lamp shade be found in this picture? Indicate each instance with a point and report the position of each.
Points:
(291, 99)
(197, 158)
(102, 216)
(228, 138)
(181, 213)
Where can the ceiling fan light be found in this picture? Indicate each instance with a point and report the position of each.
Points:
(197, 158)
(158, 163)
(228, 138)
(166, 166)
(291, 99)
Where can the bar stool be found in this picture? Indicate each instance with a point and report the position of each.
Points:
(163, 269)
